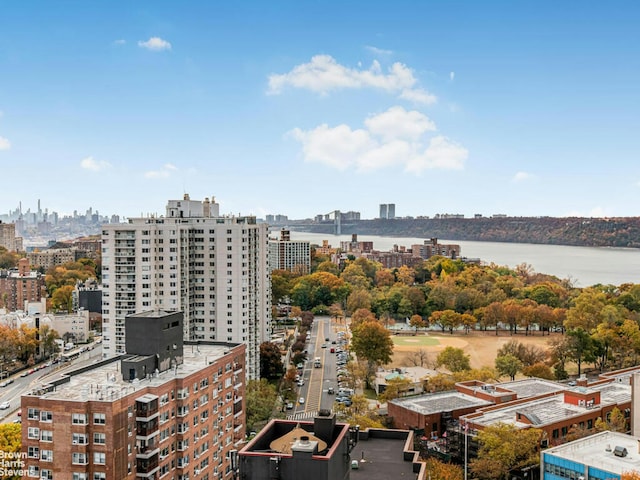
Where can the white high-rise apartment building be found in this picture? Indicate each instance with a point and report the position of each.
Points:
(212, 268)
(287, 254)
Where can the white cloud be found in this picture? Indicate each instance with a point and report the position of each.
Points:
(337, 147)
(452, 76)
(119, 42)
(164, 172)
(94, 165)
(442, 154)
(379, 51)
(522, 176)
(398, 123)
(323, 75)
(4, 144)
(155, 43)
(393, 138)
(419, 96)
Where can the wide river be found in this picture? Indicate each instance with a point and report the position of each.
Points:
(583, 266)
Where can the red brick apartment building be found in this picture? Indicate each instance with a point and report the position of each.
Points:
(20, 286)
(536, 403)
(174, 414)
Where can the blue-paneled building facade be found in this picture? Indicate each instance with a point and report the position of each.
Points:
(603, 456)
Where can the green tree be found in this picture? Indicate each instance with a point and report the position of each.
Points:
(354, 275)
(328, 266)
(508, 365)
(261, 401)
(454, 359)
(372, 342)
(586, 313)
(503, 448)
(580, 347)
(281, 285)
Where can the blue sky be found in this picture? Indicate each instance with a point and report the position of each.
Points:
(300, 108)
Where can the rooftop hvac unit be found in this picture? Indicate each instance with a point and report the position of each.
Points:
(620, 451)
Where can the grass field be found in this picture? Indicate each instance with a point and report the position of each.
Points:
(480, 346)
(417, 341)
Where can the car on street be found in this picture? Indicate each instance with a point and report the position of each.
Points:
(326, 339)
(344, 401)
(331, 390)
(301, 400)
(324, 345)
(24, 374)
(300, 382)
(3, 384)
(290, 406)
(5, 405)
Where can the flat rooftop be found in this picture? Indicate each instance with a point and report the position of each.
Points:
(592, 451)
(440, 402)
(104, 381)
(383, 460)
(532, 387)
(544, 411)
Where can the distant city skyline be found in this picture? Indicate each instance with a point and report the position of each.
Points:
(299, 109)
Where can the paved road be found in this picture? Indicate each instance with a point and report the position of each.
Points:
(22, 385)
(318, 380)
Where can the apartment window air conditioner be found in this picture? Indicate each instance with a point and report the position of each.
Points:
(75, 442)
(197, 471)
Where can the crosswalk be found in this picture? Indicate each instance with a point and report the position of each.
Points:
(302, 415)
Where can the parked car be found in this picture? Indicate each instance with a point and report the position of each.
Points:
(5, 405)
(301, 382)
(331, 391)
(290, 406)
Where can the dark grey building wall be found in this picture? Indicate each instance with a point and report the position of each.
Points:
(155, 333)
(90, 300)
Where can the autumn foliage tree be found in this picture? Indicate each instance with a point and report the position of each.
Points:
(443, 471)
(372, 342)
(503, 448)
